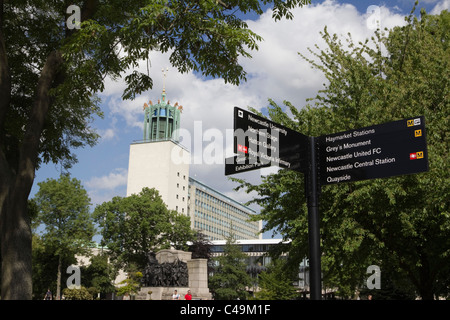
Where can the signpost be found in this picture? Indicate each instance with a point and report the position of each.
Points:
(379, 151)
(261, 143)
(238, 164)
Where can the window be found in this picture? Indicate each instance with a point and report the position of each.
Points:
(154, 126)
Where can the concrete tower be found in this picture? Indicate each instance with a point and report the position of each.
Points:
(154, 161)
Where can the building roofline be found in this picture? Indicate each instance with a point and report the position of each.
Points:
(160, 140)
(250, 241)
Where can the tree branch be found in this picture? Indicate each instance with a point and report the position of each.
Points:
(31, 142)
(89, 9)
(224, 5)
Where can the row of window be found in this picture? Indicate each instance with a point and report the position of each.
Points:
(245, 247)
(206, 227)
(162, 113)
(238, 232)
(229, 219)
(219, 204)
(220, 217)
(227, 225)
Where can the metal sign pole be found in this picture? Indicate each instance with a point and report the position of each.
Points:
(312, 189)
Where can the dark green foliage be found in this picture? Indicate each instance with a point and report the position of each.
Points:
(230, 280)
(133, 226)
(402, 223)
(99, 274)
(276, 283)
(50, 76)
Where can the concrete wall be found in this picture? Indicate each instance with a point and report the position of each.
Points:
(158, 165)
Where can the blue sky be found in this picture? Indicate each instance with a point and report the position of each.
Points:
(276, 71)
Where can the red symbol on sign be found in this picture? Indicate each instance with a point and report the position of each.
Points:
(242, 148)
(412, 156)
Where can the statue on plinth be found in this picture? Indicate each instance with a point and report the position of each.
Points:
(174, 274)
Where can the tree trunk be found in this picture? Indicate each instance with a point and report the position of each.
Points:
(16, 248)
(17, 169)
(426, 289)
(426, 293)
(58, 279)
(16, 180)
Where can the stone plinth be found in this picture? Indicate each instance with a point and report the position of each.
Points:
(198, 278)
(160, 293)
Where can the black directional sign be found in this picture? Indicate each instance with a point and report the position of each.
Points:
(260, 143)
(384, 150)
(238, 164)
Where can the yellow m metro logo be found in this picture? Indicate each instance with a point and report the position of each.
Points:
(410, 123)
(418, 133)
(419, 154)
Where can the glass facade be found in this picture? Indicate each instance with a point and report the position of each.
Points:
(257, 258)
(217, 216)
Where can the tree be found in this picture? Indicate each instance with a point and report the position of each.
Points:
(98, 274)
(51, 70)
(45, 267)
(130, 285)
(133, 226)
(68, 225)
(395, 286)
(201, 249)
(230, 280)
(401, 223)
(181, 232)
(276, 283)
(77, 294)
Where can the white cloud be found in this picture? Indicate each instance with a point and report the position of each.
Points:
(276, 71)
(107, 134)
(116, 178)
(441, 6)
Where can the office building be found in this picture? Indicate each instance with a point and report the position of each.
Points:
(151, 164)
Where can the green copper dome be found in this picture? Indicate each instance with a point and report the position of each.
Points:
(161, 120)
